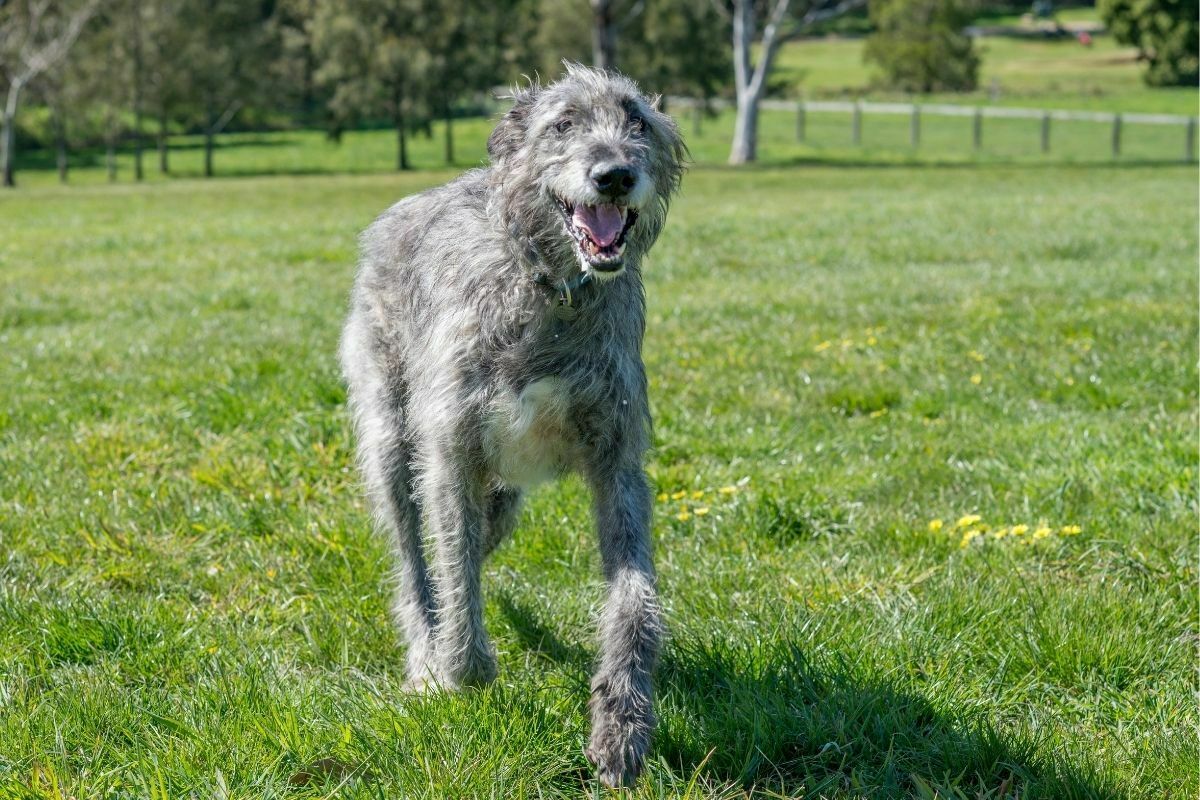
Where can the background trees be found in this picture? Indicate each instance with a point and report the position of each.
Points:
(1165, 34)
(921, 45)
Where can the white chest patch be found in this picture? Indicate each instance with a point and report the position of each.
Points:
(528, 439)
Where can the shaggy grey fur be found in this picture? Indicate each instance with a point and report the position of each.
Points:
(468, 385)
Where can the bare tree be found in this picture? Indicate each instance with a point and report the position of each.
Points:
(34, 36)
(750, 79)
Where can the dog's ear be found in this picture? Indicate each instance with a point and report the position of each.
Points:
(509, 134)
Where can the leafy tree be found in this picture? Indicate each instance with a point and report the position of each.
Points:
(678, 47)
(370, 56)
(1165, 34)
(921, 46)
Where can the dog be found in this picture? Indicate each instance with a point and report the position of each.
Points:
(494, 342)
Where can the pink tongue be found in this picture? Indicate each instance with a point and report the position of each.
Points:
(603, 224)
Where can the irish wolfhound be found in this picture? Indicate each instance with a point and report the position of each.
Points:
(494, 341)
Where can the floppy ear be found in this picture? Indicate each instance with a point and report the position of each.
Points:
(509, 134)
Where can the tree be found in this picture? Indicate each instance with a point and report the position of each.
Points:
(921, 45)
(678, 47)
(34, 36)
(370, 55)
(1165, 34)
(784, 23)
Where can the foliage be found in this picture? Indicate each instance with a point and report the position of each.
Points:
(1166, 34)
(921, 45)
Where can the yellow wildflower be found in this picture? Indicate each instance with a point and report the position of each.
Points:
(967, 521)
(696, 495)
(975, 355)
(1042, 532)
(700, 512)
(935, 525)
(679, 495)
(976, 379)
(825, 345)
(968, 537)
(727, 489)
(1070, 530)
(1019, 530)
(1000, 533)
(872, 341)
(683, 515)
(877, 413)
(662, 498)
(847, 344)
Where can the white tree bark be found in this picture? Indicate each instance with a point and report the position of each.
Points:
(28, 42)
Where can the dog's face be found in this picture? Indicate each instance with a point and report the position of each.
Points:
(597, 161)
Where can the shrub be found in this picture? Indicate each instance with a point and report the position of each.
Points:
(921, 46)
(1165, 34)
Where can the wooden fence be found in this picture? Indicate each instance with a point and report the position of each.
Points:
(915, 111)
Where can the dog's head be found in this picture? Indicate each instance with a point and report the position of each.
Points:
(586, 167)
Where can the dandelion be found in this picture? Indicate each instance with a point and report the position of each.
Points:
(872, 341)
(935, 525)
(696, 495)
(1071, 530)
(728, 490)
(1000, 533)
(877, 413)
(975, 355)
(700, 512)
(825, 345)
(1042, 532)
(662, 498)
(976, 379)
(679, 495)
(967, 521)
(1019, 530)
(968, 537)
(684, 515)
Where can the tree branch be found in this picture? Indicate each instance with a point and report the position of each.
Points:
(817, 14)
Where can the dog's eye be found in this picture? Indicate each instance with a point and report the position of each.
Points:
(563, 125)
(637, 122)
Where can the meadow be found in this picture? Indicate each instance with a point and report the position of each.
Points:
(925, 456)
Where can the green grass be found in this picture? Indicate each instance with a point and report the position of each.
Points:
(191, 602)
(1015, 71)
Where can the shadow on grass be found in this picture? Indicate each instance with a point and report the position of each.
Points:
(766, 717)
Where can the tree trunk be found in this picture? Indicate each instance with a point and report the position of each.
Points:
(60, 145)
(402, 147)
(604, 35)
(8, 135)
(208, 152)
(110, 148)
(163, 166)
(745, 132)
(449, 136)
(137, 90)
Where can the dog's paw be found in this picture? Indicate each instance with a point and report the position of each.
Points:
(620, 739)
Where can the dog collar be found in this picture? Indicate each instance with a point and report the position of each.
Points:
(565, 309)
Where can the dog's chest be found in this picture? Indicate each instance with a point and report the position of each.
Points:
(528, 437)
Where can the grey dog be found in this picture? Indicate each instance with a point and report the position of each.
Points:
(494, 341)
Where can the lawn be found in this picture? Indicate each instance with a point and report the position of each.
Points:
(925, 443)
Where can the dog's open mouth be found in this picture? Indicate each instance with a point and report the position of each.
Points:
(599, 232)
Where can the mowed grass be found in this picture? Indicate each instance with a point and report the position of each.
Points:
(192, 602)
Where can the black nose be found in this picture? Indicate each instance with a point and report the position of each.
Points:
(613, 181)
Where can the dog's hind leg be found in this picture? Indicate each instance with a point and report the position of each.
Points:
(504, 507)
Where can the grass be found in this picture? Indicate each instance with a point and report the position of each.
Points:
(192, 604)
(1015, 71)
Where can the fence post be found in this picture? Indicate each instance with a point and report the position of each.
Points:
(800, 121)
(914, 126)
(856, 123)
(1116, 135)
(1189, 143)
(1046, 132)
(977, 128)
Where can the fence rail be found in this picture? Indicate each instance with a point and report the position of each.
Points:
(857, 109)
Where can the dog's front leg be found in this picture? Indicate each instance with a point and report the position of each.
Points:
(630, 630)
(463, 656)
